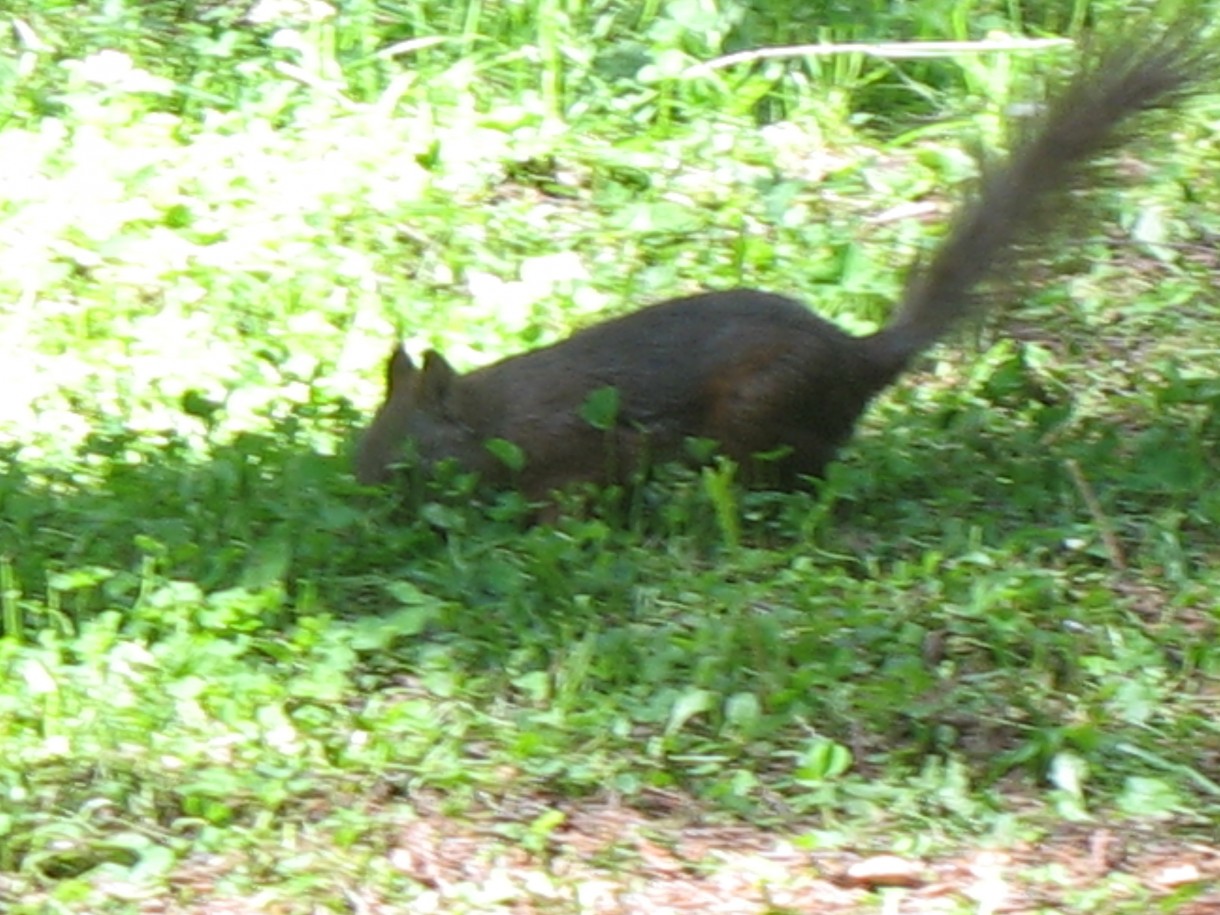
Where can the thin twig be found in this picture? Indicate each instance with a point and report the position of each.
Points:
(890, 50)
(1104, 527)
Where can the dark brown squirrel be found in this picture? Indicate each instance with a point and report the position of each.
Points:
(755, 372)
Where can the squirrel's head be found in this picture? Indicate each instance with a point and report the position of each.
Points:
(420, 415)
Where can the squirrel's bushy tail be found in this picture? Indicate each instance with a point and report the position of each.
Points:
(1012, 206)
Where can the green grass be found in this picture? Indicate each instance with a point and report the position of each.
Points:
(230, 673)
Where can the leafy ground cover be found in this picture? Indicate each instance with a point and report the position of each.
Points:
(235, 681)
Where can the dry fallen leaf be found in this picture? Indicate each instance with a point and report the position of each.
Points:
(1177, 875)
(885, 870)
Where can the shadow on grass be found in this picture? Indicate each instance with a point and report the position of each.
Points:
(940, 591)
(261, 510)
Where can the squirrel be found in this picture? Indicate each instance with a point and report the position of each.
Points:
(756, 372)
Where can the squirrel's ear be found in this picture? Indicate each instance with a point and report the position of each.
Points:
(436, 378)
(398, 369)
